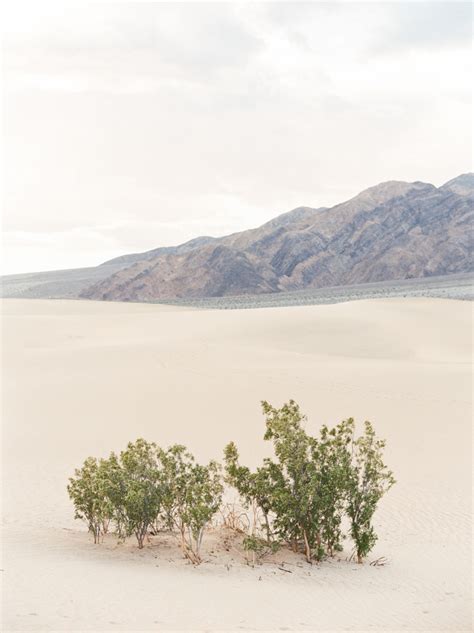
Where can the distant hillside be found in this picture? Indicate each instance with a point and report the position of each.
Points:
(395, 230)
(54, 284)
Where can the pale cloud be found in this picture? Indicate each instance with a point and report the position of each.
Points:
(134, 125)
(427, 25)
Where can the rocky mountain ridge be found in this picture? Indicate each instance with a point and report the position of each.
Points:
(394, 230)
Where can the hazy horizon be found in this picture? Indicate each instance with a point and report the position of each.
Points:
(153, 246)
(130, 126)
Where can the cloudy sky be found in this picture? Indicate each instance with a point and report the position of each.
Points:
(133, 125)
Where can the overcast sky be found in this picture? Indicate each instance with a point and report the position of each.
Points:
(133, 125)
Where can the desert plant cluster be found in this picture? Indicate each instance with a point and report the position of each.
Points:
(301, 498)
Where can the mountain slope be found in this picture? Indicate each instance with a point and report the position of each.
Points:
(210, 271)
(132, 258)
(463, 184)
(395, 230)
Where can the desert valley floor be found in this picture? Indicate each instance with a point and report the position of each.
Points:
(83, 378)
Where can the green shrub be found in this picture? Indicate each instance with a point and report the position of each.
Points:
(88, 491)
(135, 489)
(368, 480)
(192, 495)
(313, 482)
(255, 489)
(257, 547)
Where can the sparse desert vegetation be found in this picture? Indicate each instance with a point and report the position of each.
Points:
(298, 499)
(85, 378)
(210, 206)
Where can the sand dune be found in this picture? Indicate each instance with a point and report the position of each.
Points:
(83, 378)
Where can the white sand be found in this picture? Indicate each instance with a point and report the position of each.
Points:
(84, 378)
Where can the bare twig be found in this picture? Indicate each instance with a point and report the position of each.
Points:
(379, 562)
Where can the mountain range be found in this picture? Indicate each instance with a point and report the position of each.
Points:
(394, 230)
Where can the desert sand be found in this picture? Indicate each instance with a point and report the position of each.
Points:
(83, 378)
